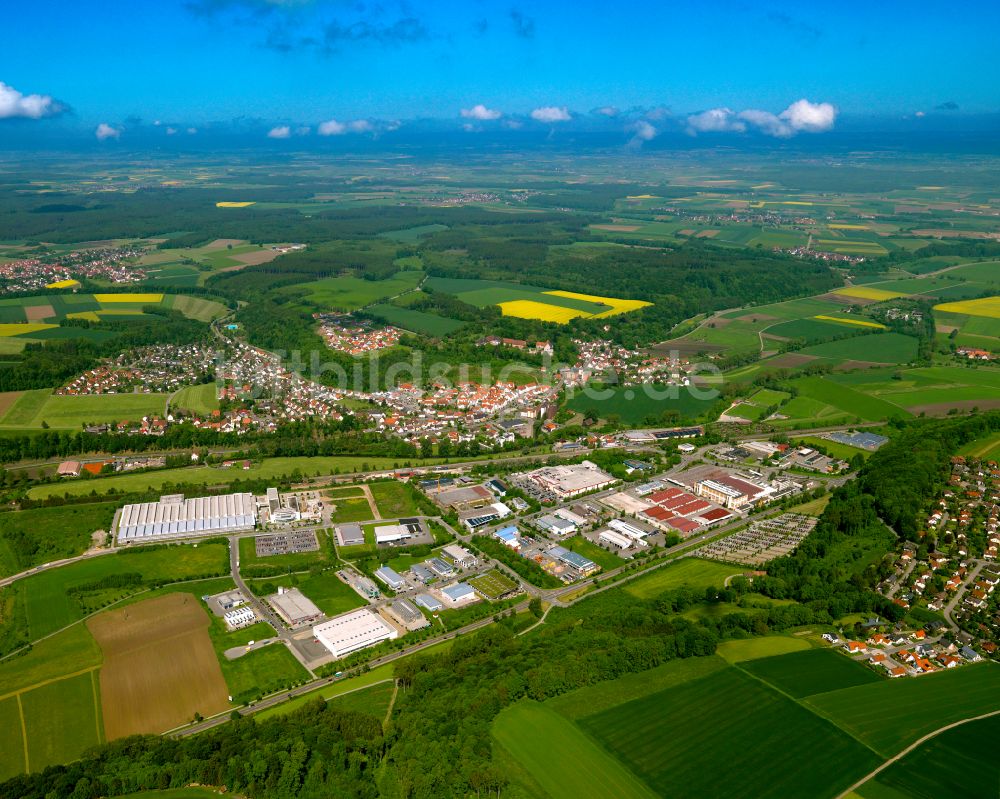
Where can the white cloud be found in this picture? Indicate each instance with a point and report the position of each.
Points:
(468, 127)
(171, 131)
(810, 117)
(801, 116)
(331, 128)
(481, 112)
(551, 113)
(607, 111)
(359, 126)
(920, 114)
(715, 120)
(192, 131)
(105, 131)
(13, 104)
(513, 124)
(642, 132)
(280, 132)
(767, 123)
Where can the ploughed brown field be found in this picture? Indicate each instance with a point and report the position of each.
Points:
(159, 666)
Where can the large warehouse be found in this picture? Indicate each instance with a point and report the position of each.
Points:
(176, 517)
(353, 631)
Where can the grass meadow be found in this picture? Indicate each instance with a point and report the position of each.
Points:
(690, 572)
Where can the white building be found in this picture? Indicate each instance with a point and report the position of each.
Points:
(616, 539)
(176, 517)
(460, 555)
(629, 530)
(356, 630)
(240, 617)
(391, 533)
(567, 481)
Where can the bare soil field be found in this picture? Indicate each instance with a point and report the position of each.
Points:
(221, 244)
(159, 666)
(7, 400)
(942, 408)
(753, 318)
(256, 257)
(617, 228)
(846, 366)
(35, 313)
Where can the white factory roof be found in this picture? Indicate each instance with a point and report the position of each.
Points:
(353, 631)
(176, 517)
(387, 533)
(295, 606)
(619, 540)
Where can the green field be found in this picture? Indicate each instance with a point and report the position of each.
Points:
(600, 556)
(330, 594)
(31, 537)
(351, 509)
(256, 673)
(72, 412)
(49, 605)
(394, 499)
(888, 715)
(11, 739)
(727, 734)
(493, 584)
(815, 671)
(269, 469)
(564, 761)
(635, 405)
(62, 719)
(846, 399)
(690, 572)
(426, 324)
(201, 399)
(960, 763)
(351, 293)
(875, 347)
(62, 654)
(595, 698)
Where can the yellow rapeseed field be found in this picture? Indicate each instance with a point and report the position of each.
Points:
(866, 293)
(616, 306)
(987, 306)
(234, 204)
(63, 284)
(19, 328)
(859, 322)
(848, 227)
(529, 309)
(148, 298)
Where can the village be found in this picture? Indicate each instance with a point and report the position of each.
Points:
(111, 264)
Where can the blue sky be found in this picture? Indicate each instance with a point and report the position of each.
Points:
(297, 63)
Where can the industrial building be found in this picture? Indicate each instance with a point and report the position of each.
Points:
(294, 608)
(350, 535)
(583, 565)
(422, 573)
(176, 517)
(508, 536)
(554, 525)
(391, 534)
(459, 594)
(479, 517)
(571, 481)
(390, 577)
(630, 530)
(404, 612)
(439, 567)
(732, 492)
(428, 602)
(356, 630)
(460, 555)
(618, 540)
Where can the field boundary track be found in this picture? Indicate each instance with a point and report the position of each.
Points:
(919, 742)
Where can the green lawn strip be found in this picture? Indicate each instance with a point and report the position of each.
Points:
(25, 408)
(212, 476)
(394, 499)
(69, 412)
(558, 754)
(848, 399)
(60, 720)
(729, 734)
(746, 649)
(350, 509)
(11, 739)
(691, 572)
(374, 700)
(876, 347)
(889, 715)
(201, 399)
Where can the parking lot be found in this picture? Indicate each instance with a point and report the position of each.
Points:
(285, 543)
(762, 541)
